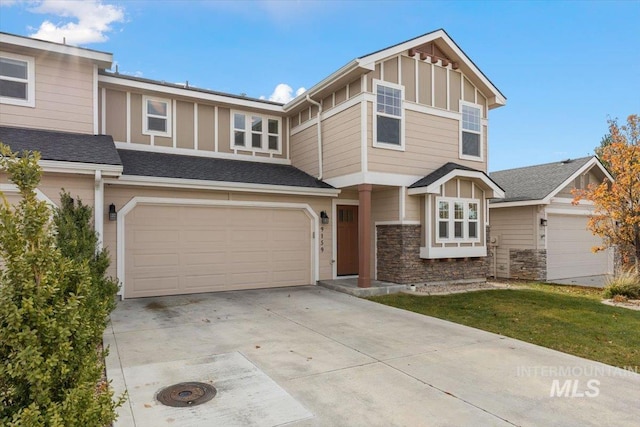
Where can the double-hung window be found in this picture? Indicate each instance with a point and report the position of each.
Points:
(156, 116)
(17, 81)
(255, 133)
(471, 131)
(458, 220)
(389, 115)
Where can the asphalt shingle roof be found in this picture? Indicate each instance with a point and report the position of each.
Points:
(142, 163)
(535, 182)
(440, 172)
(62, 146)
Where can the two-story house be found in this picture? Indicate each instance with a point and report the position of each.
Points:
(377, 171)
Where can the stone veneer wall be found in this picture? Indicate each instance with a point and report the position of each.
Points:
(398, 254)
(528, 264)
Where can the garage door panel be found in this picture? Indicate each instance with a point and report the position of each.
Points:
(188, 249)
(569, 249)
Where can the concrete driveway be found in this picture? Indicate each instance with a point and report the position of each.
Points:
(310, 356)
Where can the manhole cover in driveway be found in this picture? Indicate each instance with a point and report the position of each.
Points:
(186, 394)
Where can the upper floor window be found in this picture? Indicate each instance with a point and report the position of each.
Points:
(256, 133)
(458, 220)
(470, 132)
(388, 118)
(17, 81)
(156, 116)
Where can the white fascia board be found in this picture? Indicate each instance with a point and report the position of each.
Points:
(593, 162)
(152, 181)
(189, 93)
(324, 83)
(366, 61)
(102, 59)
(79, 168)
(517, 204)
(198, 153)
(434, 188)
(375, 178)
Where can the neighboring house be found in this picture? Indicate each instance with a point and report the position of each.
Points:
(378, 171)
(537, 232)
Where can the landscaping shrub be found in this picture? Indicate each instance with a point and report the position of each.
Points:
(626, 284)
(51, 370)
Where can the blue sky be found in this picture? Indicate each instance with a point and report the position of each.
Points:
(565, 67)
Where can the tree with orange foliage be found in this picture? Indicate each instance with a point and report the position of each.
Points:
(616, 216)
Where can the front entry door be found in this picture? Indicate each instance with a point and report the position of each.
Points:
(347, 240)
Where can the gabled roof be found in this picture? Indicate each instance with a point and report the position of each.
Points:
(62, 146)
(432, 182)
(538, 183)
(175, 166)
(366, 63)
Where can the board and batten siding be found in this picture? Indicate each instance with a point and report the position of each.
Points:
(514, 228)
(63, 96)
(341, 143)
(196, 125)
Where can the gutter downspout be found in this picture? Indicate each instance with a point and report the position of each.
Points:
(319, 135)
(98, 208)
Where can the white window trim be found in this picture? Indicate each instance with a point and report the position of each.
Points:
(466, 156)
(451, 239)
(145, 115)
(374, 130)
(31, 81)
(248, 132)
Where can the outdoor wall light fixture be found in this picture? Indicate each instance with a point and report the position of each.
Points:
(113, 215)
(324, 217)
(543, 222)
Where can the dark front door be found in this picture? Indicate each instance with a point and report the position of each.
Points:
(347, 240)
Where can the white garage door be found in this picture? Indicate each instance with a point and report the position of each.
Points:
(172, 250)
(569, 249)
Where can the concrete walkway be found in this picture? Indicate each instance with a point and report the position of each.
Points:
(310, 356)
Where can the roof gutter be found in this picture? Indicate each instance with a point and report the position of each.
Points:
(319, 127)
(322, 84)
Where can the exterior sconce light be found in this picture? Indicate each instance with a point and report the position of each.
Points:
(324, 217)
(113, 215)
(543, 222)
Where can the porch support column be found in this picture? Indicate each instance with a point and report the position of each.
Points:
(364, 235)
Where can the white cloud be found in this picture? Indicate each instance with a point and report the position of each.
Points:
(87, 21)
(284, 93)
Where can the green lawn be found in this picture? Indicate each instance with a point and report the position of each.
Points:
(564, 318)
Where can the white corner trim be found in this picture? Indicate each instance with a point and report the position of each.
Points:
(126, 209)
(98, 208)
(96, 129)
(199, 153)
(12, 188)
(153, 181)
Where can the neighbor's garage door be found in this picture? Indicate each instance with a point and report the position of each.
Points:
(173, 250)
(569, 249)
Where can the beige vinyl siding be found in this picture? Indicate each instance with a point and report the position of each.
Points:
(116, 114)
(224, 130)
(355, 87)
(440, 87)
(304, 150)
(581, 182)
(206, 127)
(185, 124)
(341, 143)
(425, 74)
(515, 228)
(469, 91)
(430, 142)
(121, 195)
(63, 96)
(412, 207)
(341, 96)
(384, 207)
(327, 104)
(136, 121)
(391, 70)
(162, 141)
(373, 75)
(454, 91)
(408, 80)
(51, 185)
